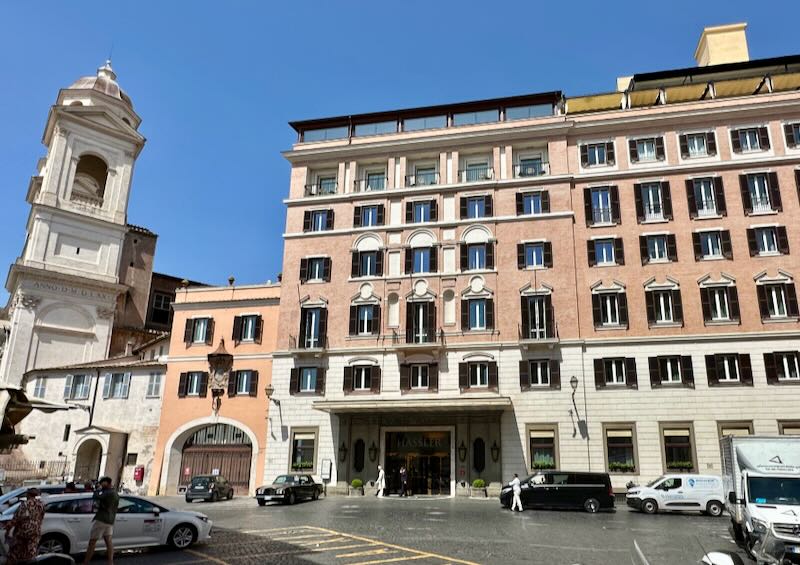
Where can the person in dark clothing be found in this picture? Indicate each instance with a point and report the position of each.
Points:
(403, 481)
(107, 501)
(70, 488)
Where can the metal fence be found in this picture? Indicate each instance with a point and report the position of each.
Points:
(18, 471)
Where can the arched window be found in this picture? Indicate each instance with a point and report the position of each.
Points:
(90, 178)
(358, 455)
(479, 455)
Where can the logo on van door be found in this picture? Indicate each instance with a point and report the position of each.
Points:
(691, 483)
(777, 459)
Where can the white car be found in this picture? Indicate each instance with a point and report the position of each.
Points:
(681, 492)
(139, 523)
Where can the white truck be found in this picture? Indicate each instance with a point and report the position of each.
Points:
(761, 480)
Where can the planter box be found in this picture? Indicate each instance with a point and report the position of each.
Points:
(477, 492)
(355, 491)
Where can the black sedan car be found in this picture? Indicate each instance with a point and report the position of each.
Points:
(210, 488)
(288, 489)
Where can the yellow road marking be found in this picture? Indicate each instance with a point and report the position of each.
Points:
(207, 557)
(394, 559)
(287, 528)
(292, 538)
(352, 546)
(331, 540)
(380, 551)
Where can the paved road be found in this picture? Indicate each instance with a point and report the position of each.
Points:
(366, 531)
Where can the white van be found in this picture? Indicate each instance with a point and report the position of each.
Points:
(702, 493)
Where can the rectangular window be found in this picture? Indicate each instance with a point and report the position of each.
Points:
(652, 202)
(696, 143)
(243, 379)
(786, 428)
(476, 207)
(478, 375)
(316, 268)
(540, 372)
(596, 153)
(199, 330)
(657, 248)
(369, 216)
(308, 379)
(153, 385)
(67, 430)
(720, 307)
(532, 203)
(735, 429)
(609, 309)
(604, 251)
(429, 122)
(40, 388)
(601, 205)
(670, 369)
(311, 335)
(193, 381)
(662, 300)
(319, 220)
(542, 449)
(420, 330)
(424, 176)
(422, 212)
(477, 314)
(678, 452)
(368, 263)
(419, 377)
(475, 172)
(711, 244)
(249, 328)
(365, 319)
(161, 307)
(303, 444)
(787, 366)
(422, 260)
(620, 450)
(471, 118)
(326, 185)
(80, 387)
(528, 112)
(614, 371)
(530, 167)
(119, 386)
(646, 149)
(362, 378)
(766, 240)
(759, 192)
(324, 134)
(705, 197)
(748, 138)
(727, 368)
(536, 316)
(534, 255)
(776, 300)
(374, 181)
(377, 128)
(476, 256)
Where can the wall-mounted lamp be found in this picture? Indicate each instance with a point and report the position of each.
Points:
(462, 451)
(269, 390)
(573, 382)
(495, 449)
(373, 452)
(342, 452)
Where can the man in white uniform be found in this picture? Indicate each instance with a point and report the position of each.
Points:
(517, 488)
(381, 482)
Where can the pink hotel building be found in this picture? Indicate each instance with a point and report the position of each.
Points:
(598, 283)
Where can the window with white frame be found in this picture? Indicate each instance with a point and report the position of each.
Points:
(705, 197)
(478, 375)
(609, 308)
(532, 203)
(652, 201)
(787, 366)
(316, 268)
(596, 154)
(476, 207)
(476, 256)
(604, 251)
(601, 205)
(728, 368)
(711, 244)
(615, 371)
(365, 319)
(477, 314)
(540, 372)
(776, 300)
(530, 167)
(662, 301)
(243, 380)
(657, 248)
(758, 186)
(153, 385)
(424, 175)
(718, 300)
(419, 376)
(670, 369)
(748, 138)
(375, 180)
(534, 255)
(696, 143)
(646, 149)
(199, 330)
(362, 378)
(193, 381)
(421, 260)
(369, 215)
(119, 385)
(249, 327)
(476, 171)
(326, 184)
(766, 240)
(40, 387)
(80, 387)
(422, 211)
(319, 220)
(308, 379)
(367, 263)
(311, 335)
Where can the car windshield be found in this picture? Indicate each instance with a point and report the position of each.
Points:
(653, 482)
(12, 495)
(202, 481)
(774, 490)
(285, 480)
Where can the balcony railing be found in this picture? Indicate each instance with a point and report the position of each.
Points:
(370, 184)
(537, 333)
(427, 337)
(422, 179)
(476, 174)
(706, 207)
(307, 342)
(534, 169)
(761, 203)
(321, 189)
(601, 215)
(653, 211)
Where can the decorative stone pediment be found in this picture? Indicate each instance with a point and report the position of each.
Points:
(531, 290)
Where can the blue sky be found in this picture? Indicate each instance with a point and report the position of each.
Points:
(216, 87)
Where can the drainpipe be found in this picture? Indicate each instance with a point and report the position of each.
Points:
(94, 396)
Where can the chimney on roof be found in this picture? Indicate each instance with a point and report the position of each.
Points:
(722, 44)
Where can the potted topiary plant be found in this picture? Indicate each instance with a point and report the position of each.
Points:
(356, 488)
(478, 488)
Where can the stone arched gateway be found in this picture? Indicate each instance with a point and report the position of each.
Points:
(87, 460)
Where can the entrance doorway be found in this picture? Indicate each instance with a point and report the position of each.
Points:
(87, 460)
(218, 449)
(426, 457)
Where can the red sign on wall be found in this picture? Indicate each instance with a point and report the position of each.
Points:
(187, 471)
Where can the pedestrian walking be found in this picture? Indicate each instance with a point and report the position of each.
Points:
(27, 529)
(107, 501)
(381, 482)
(71, 488)
(517, 488)
(403, 481)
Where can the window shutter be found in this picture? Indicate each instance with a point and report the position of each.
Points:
(183, 382)
(614, 193)
(549, 317)
(326, 269)
(639, 204)
(655, 372)
(596, 311)
(660, 148)
(210, 331)
(698, 248)
(745, 369)
(631, 381)
(381, 215)
(619, 251)
(463, 207)
(357, 217)
(747, 202)
(547, 254)
(587, 206)
(666, 200)
(203, 385)
(711, 370)
(434, 259)
(733, 302)
(677, 306)
(736, 143)
(487, 204)
(409, 322)
(788, 132)
(690, 199)
(771, 368)
(774, 192)
(719, 196)
(430, 310)
(329, 220)
(464, 315)
(493, 377)
(489, 313)
(763, 138)
(355, 265)
(68, 387)
(376, 319)
(434, 211)
(294, 380)
(545, 201)
(727, 247)
(520, 256)
(555, 374)
(490, 255)
(672, 247)
(519, 203)
(526, 318)
(348, 379)
(524, 375)
(187, 331)
(237, 328)
(409, 262)
(375, 379)
(584, 155)
(463, 256)
(353, 320)
(610, 160)
(752, 243)
(705, 303)
(463, 376)
(622, 302)
(303, 320)
(644, 252)
(259, 329)
(687, 371)
(319, 386)
(323, 327)
(650, 307)
(233, 383)
(409, 212)
(306, 221)
(783, 239)
(405, 378)
(433, 377)
(303, 270)
(634, 154)
(683, 142)
(599, 374)
(763, 304)
(711, 143)
(791, 300)
(590, 253)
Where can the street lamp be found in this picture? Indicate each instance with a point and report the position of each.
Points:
(269, 390)
(573, 382)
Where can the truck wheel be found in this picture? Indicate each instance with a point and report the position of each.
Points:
(649, 506)
(714, 508)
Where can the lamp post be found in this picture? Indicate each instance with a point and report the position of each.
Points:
(573, 382)
(269, 390)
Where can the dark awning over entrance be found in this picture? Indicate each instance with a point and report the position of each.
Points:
(375, 405)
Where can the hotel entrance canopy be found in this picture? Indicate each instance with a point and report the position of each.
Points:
(469, 403)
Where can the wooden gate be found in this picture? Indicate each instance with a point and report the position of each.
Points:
(230, 461)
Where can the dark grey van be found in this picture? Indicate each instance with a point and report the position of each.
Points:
(563, 489)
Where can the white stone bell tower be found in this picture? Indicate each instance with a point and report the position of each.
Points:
(65, 284)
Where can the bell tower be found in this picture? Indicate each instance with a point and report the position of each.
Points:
(64, 286)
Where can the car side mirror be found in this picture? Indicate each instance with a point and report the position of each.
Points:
(732, 497)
